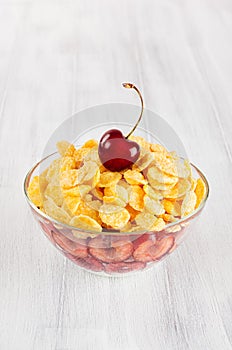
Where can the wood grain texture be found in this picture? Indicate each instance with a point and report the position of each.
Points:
(58, 57)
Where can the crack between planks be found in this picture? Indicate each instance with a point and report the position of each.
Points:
(212, 98)
(61, 302)
(214, 302)
(177, 325)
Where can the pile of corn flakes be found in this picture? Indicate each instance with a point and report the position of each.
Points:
(78, 190)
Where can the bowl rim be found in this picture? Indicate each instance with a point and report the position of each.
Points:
(57, 222)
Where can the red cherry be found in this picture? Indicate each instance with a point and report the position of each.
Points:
(116, 152)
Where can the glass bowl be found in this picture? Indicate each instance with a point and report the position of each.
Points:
(113, 253)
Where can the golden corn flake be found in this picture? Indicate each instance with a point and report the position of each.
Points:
(133, 213)
(90, 144)
(145, 220)
(124, 184)
(34, 192)
(89, 174)
(53, 172)
(79, 155)
(200, 191)
(134, 177)
(70, 151)
(54, 192)
(96, 204)
(96, 192)
(88, 198)
(153, 206)
(193, 184)
(72, 192)
(69, 178)
(62, 147)
(168, 217)
(108, 178)
(141, 141)
(126, 228)
(172, 207)
(117, 191)
(55, 212)
(136, 195)
(154, 194)
(122, 193)
(157, 148)
(67, 163)
(154, 174)
(158, 225)
(188, 203)
(92, 155)
(72, 203)
(159, 186)
(43, 182)
(179, 190)
(85, 222)
(114, 201)
(116, 219)
(173, 229)
(84, 189)
(143, 162)
(183, 169)
(109, 208)
(85, 209)
(165, 164)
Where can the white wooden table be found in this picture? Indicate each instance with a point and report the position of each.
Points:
(58, 57)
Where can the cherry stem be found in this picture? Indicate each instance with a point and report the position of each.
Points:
(132, 86)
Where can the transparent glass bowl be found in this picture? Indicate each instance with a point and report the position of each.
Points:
(113, 253)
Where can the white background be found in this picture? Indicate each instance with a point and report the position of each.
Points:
(58, 57)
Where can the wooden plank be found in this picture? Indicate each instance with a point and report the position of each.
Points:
(60, 57)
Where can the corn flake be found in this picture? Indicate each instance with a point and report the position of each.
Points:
(172, 207)
(85, 222)
(116, 219)
(200, 191)
(72, 204)
(54, 192)
(145, 220)
(96, 204)
(34, 192)
(90, 144)
(154, 174)
(168, 217)
(134, 177)
(70, 151)
(144, 161)
(67, 163)
(133, 213)
(69, 178)
(141, 141)
(188, 203)
(154, 194)
(158, 225)
(159, 186)
(85, 209)
(55, 212)
(179, 190)
(153, 206)
(62, 147)
(108, 179)
(54, 171)
(136, 195)
(84, 189)
(96, 192)
(114, 201)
